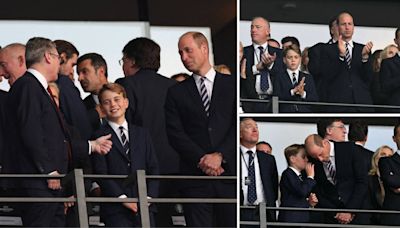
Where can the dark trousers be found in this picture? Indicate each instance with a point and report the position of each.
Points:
(125, 218)
(43, 214)
(210, 215)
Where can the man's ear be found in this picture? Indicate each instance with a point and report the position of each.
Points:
(63, 58)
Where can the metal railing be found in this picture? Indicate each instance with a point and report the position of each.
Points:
(263, 223)
(77, 177)
(275, 103)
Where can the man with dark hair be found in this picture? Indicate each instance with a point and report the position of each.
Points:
(71, 104)
(92, 71)
(332, 129)
(264, 147)
(146, 90)
(289, 40)
(201, 126)
(37, 134)
(390, 76)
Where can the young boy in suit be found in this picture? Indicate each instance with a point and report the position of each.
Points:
(293, 84)
(132, 150)
(296, 185)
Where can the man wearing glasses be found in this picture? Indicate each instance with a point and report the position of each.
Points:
(332, 129)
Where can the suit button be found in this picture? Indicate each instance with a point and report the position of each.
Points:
(339, 198)
(129, 164)
(209, 129)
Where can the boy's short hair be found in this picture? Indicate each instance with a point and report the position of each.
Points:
(113, 87)
(293, 150)
(292, 47)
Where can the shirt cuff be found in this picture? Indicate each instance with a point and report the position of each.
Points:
(90, 148)
(123, 196)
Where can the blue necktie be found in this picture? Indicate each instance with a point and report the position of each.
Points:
(264, 85)
(251, 193)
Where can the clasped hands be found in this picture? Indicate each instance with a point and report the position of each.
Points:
(344, 218)
(210, 164)
(266, 60)
(299, 89)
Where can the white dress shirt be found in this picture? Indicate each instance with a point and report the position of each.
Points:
(208, 82)
(245, 171)
(117, 131)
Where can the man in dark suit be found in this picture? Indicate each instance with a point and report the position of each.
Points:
(341, 177)
(132, 150)
(390, 79)
(345, 69)
(92, 71)
(146, 90)
(262, 61)
(294, 85)
(71, 104)
(389, 168)
(266, 174)
(201, 123)
(37, 133)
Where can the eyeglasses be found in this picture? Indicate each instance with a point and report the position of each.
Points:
(56, 55)
(340, 126)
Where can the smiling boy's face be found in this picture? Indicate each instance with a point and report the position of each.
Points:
(114, 105)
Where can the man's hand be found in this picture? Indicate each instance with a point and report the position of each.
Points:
(267, 59)
(54, 184)
(131, 206)
(67, 205)
(366, 50)
(243, 69)
(102, 145)
(341, 46)
(344, 218)
(100, 112)
(211, 164)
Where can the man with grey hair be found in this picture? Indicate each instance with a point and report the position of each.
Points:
(12, 62)
(38, 137)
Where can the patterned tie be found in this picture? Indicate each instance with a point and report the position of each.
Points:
(124, 140)
(301, 177)
(204, 95)
(348, 56)
(294, 80)
(251, 193)
(331, 170)
(264, 85)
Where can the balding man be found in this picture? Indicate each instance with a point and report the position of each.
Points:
(201, 127)
(263, 62)
(341, 177)
(12, 61)
(345, 69)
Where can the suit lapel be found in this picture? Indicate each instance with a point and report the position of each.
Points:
(216, 93)
(116, 142)
(133, 147)
(194, 94)
(396, 158)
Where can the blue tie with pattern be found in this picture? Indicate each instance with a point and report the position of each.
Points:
(251, 193)
(264, 85)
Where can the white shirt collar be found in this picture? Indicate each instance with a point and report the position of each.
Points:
(245, 149)
(210, 75)
(39, 76)
(350, 43)
(116, 126)
(398, 152)
(295, 170)
(290, 72)
(332, 151)
(96, 98)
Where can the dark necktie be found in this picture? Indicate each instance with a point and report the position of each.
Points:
(204, 95)
(251, 193)
(124, 140)
(348, 56)
(264, 85)
(62, 123)
(301, 177)
(294, 80)
(331, 170)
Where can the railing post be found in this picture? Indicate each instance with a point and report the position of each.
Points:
(275, 104)
(263, 215)
(143, 202)
(80, 198)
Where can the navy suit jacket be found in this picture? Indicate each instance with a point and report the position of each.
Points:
(351, 179)
(117, 162)
(146, 91)
(192, 133)
(389, 168)
(390, 79)
(247, 86)
(269, 178)
(346, 85)
(294, 192)
(94, 117)
(283, 87)
(71, 105)
(37, 137)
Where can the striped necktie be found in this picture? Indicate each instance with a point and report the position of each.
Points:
(348, 56)
(124, 140)
(331, 170)
(204, 95)
(252, 192)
